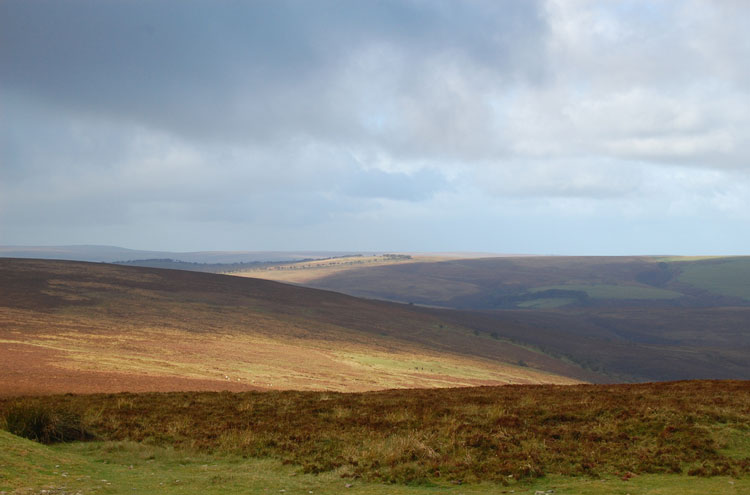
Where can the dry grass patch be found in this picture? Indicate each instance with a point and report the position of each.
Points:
(467, 434)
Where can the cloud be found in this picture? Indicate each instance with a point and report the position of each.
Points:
(294, 118)
(239, 71)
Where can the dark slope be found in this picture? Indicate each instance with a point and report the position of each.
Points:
(633, 318)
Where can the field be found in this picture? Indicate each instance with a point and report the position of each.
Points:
(85, 327)
(652, 438)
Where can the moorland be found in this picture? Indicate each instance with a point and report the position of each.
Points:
(92, 327)
(667, 438)
(186, 382)
(630, 318)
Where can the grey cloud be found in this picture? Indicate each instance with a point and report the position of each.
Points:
(250, 70)
(371, 122)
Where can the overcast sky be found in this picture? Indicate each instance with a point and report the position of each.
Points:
(549, 127)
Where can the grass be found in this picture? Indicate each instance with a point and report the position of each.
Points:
(134, 468)
(605, 291)
(44, 424)
(726, 276)
(470, 435)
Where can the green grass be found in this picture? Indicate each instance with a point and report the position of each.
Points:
(135, 468)
(730, 277)
(604, 291)
(546, 303)
(416, 365)
(733, 442)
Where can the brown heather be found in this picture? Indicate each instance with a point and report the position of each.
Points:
(466, 434)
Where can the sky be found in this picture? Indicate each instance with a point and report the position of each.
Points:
(538, 127)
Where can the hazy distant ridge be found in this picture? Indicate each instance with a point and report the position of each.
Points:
(110, 254)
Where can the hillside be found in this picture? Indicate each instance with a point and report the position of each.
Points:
(632, 318)
(86, 327)
(547, 282)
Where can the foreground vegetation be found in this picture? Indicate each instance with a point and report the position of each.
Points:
(474, 435)
(135, 468)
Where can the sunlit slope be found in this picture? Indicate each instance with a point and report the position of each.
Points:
(82, 327)
(302, 272)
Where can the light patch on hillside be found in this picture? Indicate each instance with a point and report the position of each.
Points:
(307, 271)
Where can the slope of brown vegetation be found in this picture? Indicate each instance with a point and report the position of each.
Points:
(632, 318)
(467, 434)
(87, 327)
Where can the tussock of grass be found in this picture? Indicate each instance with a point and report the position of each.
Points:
(43, 423)
(472, 434)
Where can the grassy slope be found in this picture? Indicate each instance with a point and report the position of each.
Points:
(132, 468)
(724, 276)
(483, 436)
(96, 327)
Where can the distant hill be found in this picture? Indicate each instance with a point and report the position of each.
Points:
(89, 327)
(546, 282)
(634, 318)
(110, 254)
(72, 326)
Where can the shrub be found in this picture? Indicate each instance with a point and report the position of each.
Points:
(44, 424)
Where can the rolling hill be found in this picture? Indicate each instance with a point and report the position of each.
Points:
(632, 318)
(82, 327)
(544, 282)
